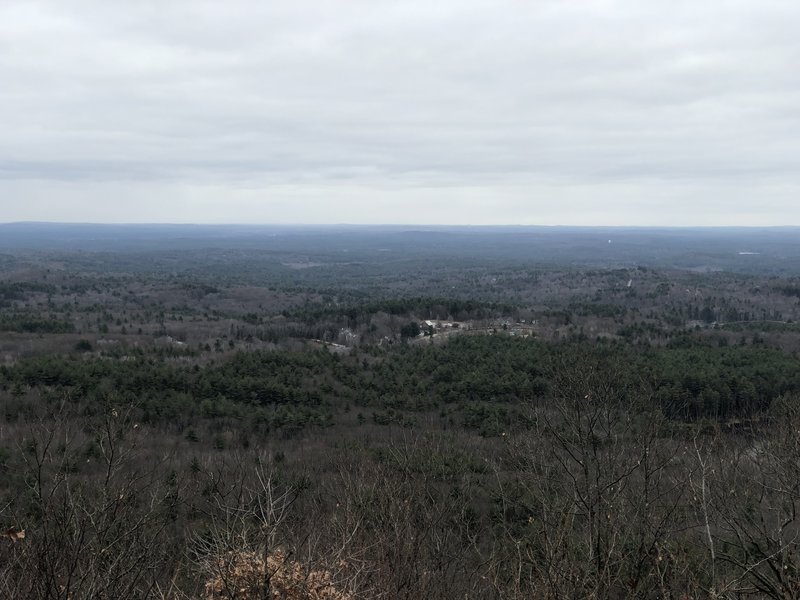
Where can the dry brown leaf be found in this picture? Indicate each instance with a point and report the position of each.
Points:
(14, 534)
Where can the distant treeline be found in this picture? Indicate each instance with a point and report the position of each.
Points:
(33, 324)
(422, 307)
(10, 291)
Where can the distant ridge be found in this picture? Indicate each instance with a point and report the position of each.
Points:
(704, 249)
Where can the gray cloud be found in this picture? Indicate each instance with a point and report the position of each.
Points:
(586, 112)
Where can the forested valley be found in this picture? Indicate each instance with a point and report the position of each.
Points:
(392, 414)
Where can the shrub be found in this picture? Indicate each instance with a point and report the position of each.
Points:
(247, 576)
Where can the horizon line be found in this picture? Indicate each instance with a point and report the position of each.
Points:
(367, 225)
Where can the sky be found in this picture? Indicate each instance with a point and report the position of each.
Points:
(573, 112)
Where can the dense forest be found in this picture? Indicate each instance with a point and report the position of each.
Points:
(263, 419)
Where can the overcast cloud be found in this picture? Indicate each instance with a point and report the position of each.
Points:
(582, 112)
